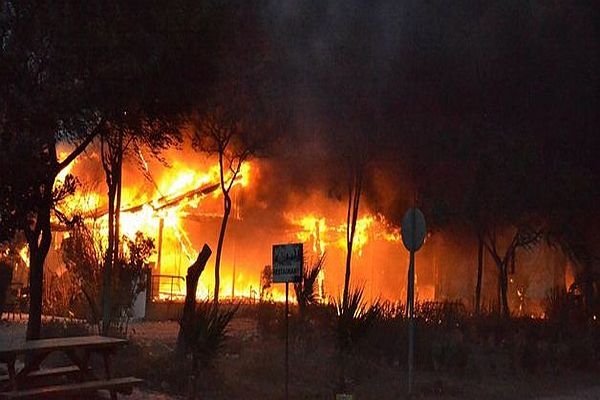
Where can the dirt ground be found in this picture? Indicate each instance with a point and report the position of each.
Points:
(14, 331)
(250, 369)
(583, 394)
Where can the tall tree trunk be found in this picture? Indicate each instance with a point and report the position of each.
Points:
(502, 264)
(114, 302)
(108, 262)
(354, 193)
(189, 306)
(499, 291)
(226, 212)
(479, 274)
(117, 211)
(36, 284)
(38, 240)
(39, 237)
(113, 164)
(504, 290)
(39, 245)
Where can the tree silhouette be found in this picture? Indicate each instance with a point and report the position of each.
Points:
(241, 118)
(233, 128)
(65, 81)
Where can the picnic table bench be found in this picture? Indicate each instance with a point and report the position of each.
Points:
(25, 383)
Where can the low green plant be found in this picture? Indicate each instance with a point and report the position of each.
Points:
(306, 289)
(269, 318)
(64, 327)
(84, 258)
(5, 279)
(60, 295)
(355, 317)
(563, 307)
(266, 280)
(206, 334)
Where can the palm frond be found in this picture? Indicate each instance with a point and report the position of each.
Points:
(206, 335)
(355, 317)
(306, 290)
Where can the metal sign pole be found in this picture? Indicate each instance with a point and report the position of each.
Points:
(413, 236)
(287, 365)
(287, 267)
(411, 321)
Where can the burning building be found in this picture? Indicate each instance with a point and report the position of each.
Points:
(177, 202)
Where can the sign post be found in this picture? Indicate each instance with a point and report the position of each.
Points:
(287, 341)
(413, 236)
(288, 260)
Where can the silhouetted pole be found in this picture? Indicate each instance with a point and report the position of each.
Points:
(287, 267)
(287, 337)
(411, 321)
(161, 227)
(413, 235)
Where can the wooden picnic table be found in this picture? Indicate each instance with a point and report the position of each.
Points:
(21, 384)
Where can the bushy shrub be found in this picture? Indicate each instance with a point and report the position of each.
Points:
(129, 277)
(354, 318)
(270, 318)
(60, 297)
(64, 327)
(84, 258)
(160, 367)
(206, 334)
(5, 279)
(563, 307)
(306, 290)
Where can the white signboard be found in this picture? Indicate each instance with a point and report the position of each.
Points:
(287, 262)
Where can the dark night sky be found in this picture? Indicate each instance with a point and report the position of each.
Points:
(476, 101)
(437, 87)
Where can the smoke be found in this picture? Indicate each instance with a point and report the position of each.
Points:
(415, 81)
(414, 84)
(345, 67)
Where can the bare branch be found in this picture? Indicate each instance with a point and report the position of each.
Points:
(235, 171)
(80, 148)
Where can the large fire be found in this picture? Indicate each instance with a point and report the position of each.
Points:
(160, 214)
(179, 204)
(315, 229)
(187, 194)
